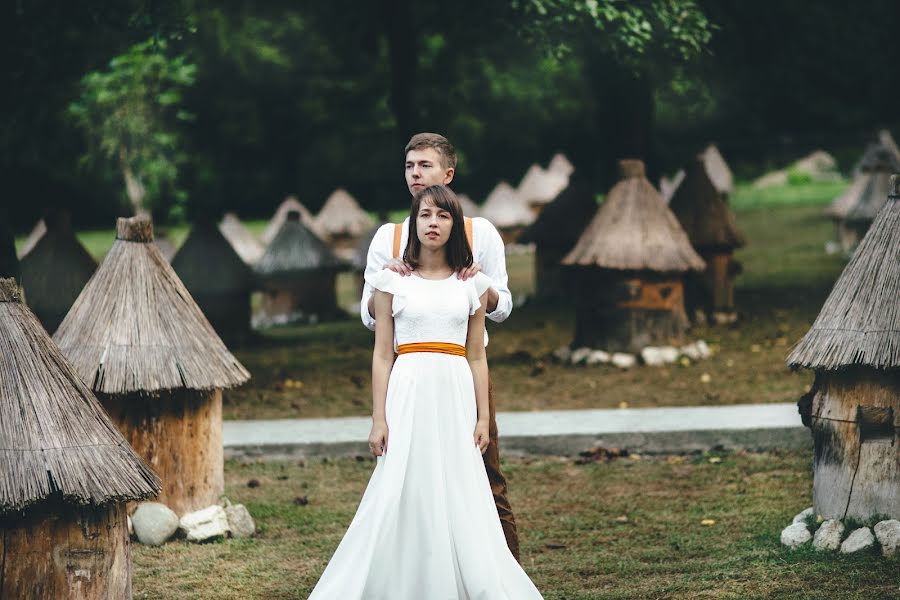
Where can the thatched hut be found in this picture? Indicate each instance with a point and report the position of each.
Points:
(248, 247)
(668, 185)
(290, 204)
(540, 187)
(853, 408)
(709, 223)
(218, 280)
(561, 164)
(138, 339)
(298, 276)
(65, 472)
(554, 233)
(36, 233)
(343, 221)
(507, 211)
(718, 170)
(628, 268)
(469, 208)
(855, 209)
(55, 270)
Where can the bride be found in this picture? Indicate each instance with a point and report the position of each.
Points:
(427, 527)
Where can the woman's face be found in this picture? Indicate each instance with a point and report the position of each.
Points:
(433, 225)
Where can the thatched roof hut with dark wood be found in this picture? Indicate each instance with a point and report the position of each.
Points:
(469, 208)
(718, 170)
(540, 187)
(248, 247)
(65, 472)
(554, 233)
(628, 267)
(290, 204)
(218, 280)
(298, 276)
(55, 270)
(506, 210)
(853, 408)
(343, 222)
(560, 164)
(855, 209)
(705, 216)
(36, 233)
(138, 339)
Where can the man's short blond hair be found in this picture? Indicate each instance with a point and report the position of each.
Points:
(436, 141)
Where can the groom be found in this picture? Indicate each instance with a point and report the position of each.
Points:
(431, 160)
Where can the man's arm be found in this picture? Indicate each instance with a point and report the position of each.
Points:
(493, 264)
(378, 256)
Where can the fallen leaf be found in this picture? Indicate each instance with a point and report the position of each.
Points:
(705, 378)
(623, 404)
(622, 519)
(708, 522)
(715, 460)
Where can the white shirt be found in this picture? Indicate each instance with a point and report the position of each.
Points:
(487, 250)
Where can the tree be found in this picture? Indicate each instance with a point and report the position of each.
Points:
(128, 113)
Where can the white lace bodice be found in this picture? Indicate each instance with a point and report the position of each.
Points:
(427, 310)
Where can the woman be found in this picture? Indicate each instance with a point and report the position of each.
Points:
(427, 527)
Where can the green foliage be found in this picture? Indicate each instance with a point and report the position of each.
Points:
(129, 114)
(799, 178)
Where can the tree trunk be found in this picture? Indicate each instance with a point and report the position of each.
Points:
(133, 186)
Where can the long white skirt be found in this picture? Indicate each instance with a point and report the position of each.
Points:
(427, 527)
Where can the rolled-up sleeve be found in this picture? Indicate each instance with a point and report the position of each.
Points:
(378, 256)
(493, 264)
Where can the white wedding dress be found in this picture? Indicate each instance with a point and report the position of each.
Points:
(427, 527)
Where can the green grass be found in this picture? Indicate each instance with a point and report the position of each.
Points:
(661, 551)
(808, 194)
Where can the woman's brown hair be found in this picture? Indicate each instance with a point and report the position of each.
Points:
(459, 253)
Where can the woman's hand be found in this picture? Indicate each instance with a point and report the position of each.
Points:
(482, 438)
(378, 437)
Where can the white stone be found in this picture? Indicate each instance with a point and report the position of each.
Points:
(832, 248)
(154, 523)
(858, 540)
(597, 357)
(623, 361)
(205, 524)
(703, 348)
(691, 351)
(669, 354)
(579, 355)
(239, 521)
(801, 517)
(652, 357)
(888, 534)
(562, 354)
(828, 537)
(795, 535)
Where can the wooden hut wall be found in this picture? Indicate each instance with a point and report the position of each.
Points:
(303, 294)
(855, 422)
(712, 291)
(179, 434)
(56, 550)
(626, 311)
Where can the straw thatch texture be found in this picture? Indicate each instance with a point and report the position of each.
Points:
(244, 243)
(469, 208)
(296, 249)
(540, 187)
(37, 232)
(718, 169)
(342, 216)
(860, 321)
(136, 328)
(55, 271)
(634, 230)
(667, 185)
(208, 264)
(869, 189)
(703, 212)
(54, 436)
(290, 204)
(505, 208)
(563, 220)
(561, 164)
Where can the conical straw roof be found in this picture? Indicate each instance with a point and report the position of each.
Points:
(860, 321)
(361, 253)
(668, 185)
(341, 215)
(54, 435)
(37, 232)
(718, 169)
(295, 250)
(244, 243)
(563, 220)
(865, 196)
(702, 211)
(560, 164)
(290, 204)
(469, 208)
(55, 270)
(207, 263)
(136, 328)
(634, 230)
(883, 142)
(504, 207)
(541, 187)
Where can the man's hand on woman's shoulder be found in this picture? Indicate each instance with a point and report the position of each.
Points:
(398, 266)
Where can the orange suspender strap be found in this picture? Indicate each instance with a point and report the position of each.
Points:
(398, 232)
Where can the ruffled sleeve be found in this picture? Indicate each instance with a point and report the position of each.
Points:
(478, 285)
(392, 283)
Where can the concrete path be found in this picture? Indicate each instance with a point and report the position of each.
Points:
(563, 432)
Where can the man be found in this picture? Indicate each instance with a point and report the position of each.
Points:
(431, 160)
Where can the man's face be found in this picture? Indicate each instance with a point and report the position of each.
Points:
(424, 169)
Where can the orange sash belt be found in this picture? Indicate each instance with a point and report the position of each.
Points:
(438, 347)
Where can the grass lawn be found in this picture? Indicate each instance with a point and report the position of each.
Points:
(576, 545)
